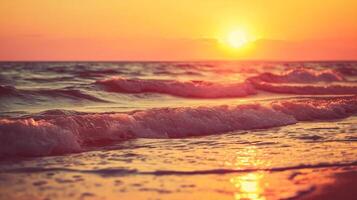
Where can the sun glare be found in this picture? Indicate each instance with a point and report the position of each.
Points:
(237, 39)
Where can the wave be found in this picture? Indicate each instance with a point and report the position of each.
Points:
(193, 89)
(59, 132)
(315, 89)
(26, 94)
(349, 70)
(295, 81)
(304, 81)
(318, 109)
(301, 75)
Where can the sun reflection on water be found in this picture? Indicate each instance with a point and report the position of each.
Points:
(247, 158)
(250, 186)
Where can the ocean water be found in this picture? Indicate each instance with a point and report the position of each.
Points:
(174, 130)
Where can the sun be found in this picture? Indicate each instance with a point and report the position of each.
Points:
(237, 39)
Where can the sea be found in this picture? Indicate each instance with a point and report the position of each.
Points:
(175, 130)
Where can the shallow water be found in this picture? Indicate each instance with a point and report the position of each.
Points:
(175, 130)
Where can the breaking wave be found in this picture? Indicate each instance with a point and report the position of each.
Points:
(58, 132)
(304, 81)
(302, 75)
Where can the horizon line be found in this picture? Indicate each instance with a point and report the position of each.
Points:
(193, 60)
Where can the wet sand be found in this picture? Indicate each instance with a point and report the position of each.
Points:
(342, 187)
(325, 183)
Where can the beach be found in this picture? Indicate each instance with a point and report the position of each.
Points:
(178, 130)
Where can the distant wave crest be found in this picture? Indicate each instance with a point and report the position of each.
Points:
(304, 81)
(302, 75)
(31, 94)
(193, 89)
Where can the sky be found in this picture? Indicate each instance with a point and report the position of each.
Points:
(178, 30)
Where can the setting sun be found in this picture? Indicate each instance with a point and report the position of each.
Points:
(237, 39)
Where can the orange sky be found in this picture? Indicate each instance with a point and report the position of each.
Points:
(177, 30)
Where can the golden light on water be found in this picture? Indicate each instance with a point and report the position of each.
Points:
(250, 186)
(248, 157)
